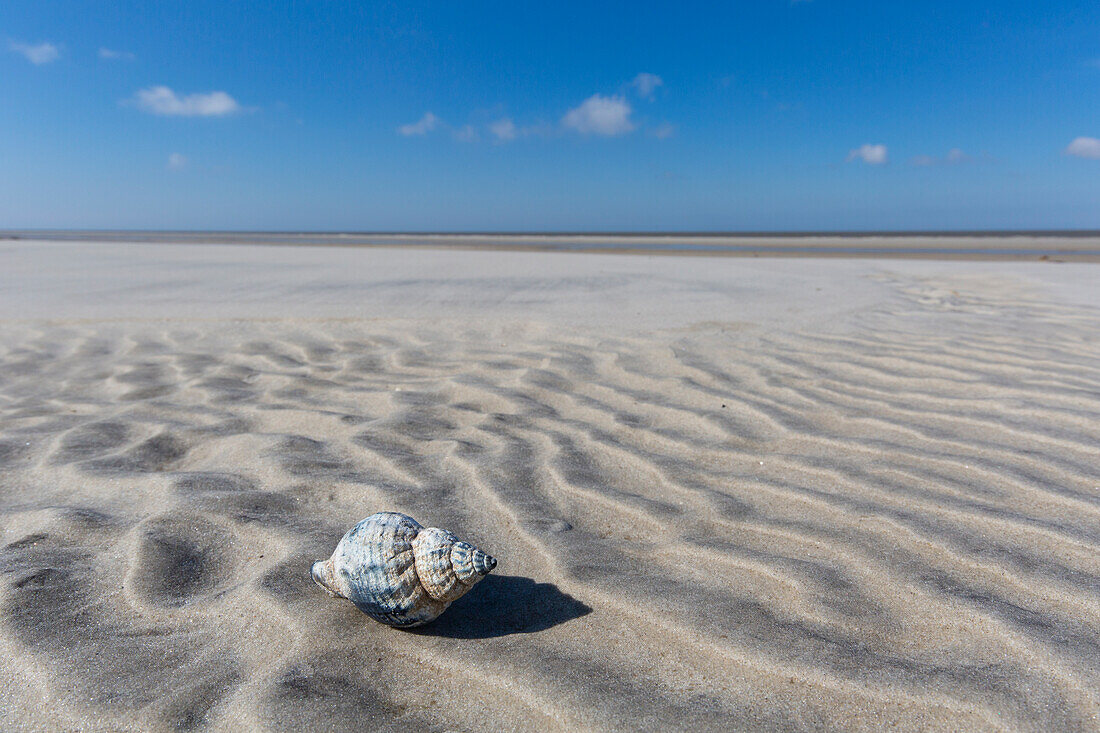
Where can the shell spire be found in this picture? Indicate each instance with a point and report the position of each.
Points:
(400, 573)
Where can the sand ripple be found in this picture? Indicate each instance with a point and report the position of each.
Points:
(896, 523)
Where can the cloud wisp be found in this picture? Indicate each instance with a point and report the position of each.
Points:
(161, 100)
(112, 55)
(177, 161)
(646, 84)
(955, 156)
(36, 53)
(871, 154)
(664, 131)
(466, 134)
(1084, 147)
(423, 126)
(504, 129)
(600, 115)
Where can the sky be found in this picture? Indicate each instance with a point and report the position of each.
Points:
(566, 116)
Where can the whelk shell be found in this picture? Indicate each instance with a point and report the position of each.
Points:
(400, 573)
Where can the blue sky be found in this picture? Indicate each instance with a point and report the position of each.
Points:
(763, 115)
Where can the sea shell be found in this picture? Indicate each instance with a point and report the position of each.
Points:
(400, 573)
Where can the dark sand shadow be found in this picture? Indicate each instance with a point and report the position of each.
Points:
(501, 605)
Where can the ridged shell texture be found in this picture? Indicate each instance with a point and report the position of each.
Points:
(401, 573)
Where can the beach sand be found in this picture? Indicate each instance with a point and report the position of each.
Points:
(724, 493)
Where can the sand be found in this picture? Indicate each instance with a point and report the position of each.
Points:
(725, 494)
(1063, 246)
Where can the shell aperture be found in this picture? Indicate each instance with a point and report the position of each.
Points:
(400, 573)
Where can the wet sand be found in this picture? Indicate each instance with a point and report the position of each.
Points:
(724, 493)
(1060, 246)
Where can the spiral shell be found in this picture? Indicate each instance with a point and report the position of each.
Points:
(400, 573)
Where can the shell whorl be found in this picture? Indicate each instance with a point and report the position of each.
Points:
(446, 566)
(399, 572)
(470, 564)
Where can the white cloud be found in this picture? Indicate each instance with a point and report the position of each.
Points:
(504, 129)
(646, 84)
(1084, 147)
(868, 153)
(37, 54)
(106, 53)
(466, 134)
(423, 126)
(599, 115)
(177, 161)
(161, 100)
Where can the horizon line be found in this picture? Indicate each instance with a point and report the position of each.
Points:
(1068, 233)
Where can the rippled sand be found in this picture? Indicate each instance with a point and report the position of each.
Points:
(752, 517)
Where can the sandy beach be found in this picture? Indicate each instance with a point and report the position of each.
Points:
(1060, 246)
(724, 493)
